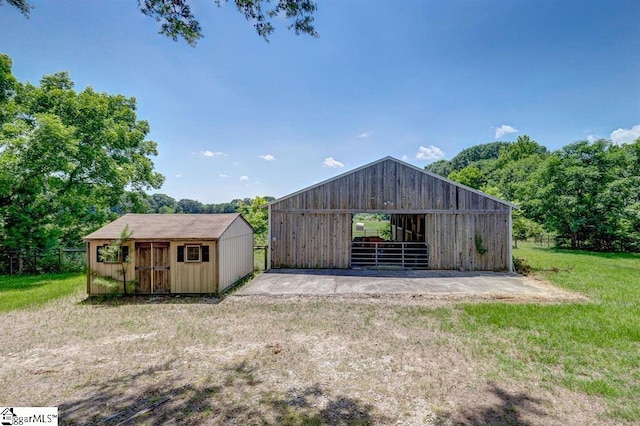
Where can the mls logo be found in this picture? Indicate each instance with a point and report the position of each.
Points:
(6, 417)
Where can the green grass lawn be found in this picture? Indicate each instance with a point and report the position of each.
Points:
(591, 347)
(18, 292)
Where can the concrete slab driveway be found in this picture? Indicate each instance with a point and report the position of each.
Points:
(326, 282)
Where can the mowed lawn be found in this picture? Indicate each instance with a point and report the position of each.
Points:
(592, 348)
(296, 361)
(18, 292)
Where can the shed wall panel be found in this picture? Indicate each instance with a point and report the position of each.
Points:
(104, 269)
(235, 254)
(193, 277)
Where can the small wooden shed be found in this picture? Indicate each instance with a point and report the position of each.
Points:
(173, 253)
(435, 223)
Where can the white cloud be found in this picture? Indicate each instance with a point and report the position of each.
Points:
(330, 162)
(178, 175)
(365, 135)
(268, 157)
(208, 153)
(404, 157)
(621, 136)
(222, 175)
(429, 153)
(244, 178)
(592, 138)
(503, 130)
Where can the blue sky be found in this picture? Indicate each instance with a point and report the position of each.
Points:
(419, 80)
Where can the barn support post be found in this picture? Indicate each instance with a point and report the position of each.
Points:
(267, 261)
(89, 276)
(510, 239)
(152, 274)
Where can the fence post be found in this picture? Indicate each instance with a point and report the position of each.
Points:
(265, 257)
(376, 251)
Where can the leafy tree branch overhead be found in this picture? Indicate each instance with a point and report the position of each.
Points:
(177, 20)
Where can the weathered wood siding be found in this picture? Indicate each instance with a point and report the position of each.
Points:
(235, 253)
(310, 240)
(105, 269)
(387, 185)
(312, 228)
(194, 277)
(452, 241)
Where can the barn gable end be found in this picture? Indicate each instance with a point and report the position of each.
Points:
(311, 228)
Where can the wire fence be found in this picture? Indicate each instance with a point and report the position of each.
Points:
(43, 261)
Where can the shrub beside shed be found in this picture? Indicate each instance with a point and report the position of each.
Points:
(181, 253)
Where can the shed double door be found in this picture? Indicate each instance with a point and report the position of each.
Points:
(152, 268)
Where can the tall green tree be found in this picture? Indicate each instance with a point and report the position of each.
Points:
(257, 216)
(66, 157)
(588, 194)
(516, 163)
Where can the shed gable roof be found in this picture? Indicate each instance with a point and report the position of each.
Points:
(401, 164)
(168, 226)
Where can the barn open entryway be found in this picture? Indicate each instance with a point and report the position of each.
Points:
(383, 240)
(152, 267)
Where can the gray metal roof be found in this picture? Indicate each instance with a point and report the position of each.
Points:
(168, 226)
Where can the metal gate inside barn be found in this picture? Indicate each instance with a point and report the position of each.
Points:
(405, 247)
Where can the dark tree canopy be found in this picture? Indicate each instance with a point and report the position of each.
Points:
(178, 21)
(487, 151)
(589, 194)
(473, 154)
(22, 6)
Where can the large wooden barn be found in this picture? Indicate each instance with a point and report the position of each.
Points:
(435, 223)
(173, 253)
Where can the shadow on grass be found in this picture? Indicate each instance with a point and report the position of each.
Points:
(232, 399)
(119, 299)
(115, 300)
(511, 409)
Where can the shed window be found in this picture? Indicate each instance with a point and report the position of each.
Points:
(108, 257)
(193, 254)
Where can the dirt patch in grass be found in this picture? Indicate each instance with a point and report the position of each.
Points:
(253, 360)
